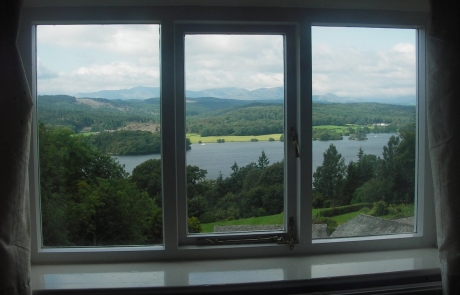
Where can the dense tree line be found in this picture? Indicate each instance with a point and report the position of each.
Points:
(324, 135)
(103, 114)
(261, 119)
(127, 142)
(215, 117)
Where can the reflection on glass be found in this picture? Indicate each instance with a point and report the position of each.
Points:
(364, 135)
(235, 122)
(98, 98)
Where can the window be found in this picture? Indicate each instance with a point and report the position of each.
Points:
(364, 131)
(222, 78)
(252, 188)
(92, 136)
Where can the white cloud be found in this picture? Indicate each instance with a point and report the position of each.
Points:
(85, 58)
(116, 75)
(44, 72)
(356, 73)
(245, 61)
(125, 39)
(90, 58)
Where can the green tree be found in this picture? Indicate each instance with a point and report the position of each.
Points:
(147, 177)
(328, 178)
(263, 161)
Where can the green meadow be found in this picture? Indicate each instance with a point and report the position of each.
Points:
(402, 212)
(196, 138)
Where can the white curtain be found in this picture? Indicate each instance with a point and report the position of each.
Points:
(443, 48)
(15, 108)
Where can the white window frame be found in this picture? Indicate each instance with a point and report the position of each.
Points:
(288, 31)
(176, 243)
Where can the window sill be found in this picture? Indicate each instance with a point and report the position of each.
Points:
(405, 269)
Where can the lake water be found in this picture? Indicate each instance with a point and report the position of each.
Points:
(219, 157)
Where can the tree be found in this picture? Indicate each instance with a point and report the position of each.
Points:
(263, 161)
(328, 178)
(398, 166)
(147, 177)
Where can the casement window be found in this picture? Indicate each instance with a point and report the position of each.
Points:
(288, 71)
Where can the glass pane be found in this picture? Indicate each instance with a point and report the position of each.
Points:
(234, 124)
(364, 131)
(99, 135)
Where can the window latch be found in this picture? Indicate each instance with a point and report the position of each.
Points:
(295, 141)
(289, 240)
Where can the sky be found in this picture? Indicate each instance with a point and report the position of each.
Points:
(349, 62)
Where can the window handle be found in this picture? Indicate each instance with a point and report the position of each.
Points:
(295, 141)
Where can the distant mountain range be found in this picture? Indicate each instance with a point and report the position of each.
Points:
(275, 93)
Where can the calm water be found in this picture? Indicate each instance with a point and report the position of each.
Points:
(219, 157)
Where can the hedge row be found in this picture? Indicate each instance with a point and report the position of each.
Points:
(343, 209)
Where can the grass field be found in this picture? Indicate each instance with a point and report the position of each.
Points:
(338, 129)
(406, 211)
(271, 219)
(196, 138)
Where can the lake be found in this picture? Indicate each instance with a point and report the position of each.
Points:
(219, 157)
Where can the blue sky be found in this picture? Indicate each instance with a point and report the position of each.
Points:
(352, 62)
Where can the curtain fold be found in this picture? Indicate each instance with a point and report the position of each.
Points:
(443, 52)
(16, 106)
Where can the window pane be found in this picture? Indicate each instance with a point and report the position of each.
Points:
(364, 131)
(99, 135)
(234, 124)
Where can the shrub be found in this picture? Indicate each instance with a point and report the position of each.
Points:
(194, 225)
(208, 217)
(271, 139)
(319, 201)
(254, 140)
(380, 208)
(343, 209)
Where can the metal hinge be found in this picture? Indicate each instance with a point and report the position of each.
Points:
(290, 240)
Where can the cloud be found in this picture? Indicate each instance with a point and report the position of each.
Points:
(352, 72)
(246, 61)
(86, 58)
(140, 40)
(115, 75)
(45, 73)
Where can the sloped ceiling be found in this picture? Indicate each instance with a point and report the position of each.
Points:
(399, 5)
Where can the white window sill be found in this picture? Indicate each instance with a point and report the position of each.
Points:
(302, 273)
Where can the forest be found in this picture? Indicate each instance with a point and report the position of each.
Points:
(126, 142)
(88, 199)
(213, 116)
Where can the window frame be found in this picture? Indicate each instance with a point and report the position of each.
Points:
(169, 18)
(288, 31)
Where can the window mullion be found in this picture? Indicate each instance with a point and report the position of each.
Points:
(168, 126)
(304, 114)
